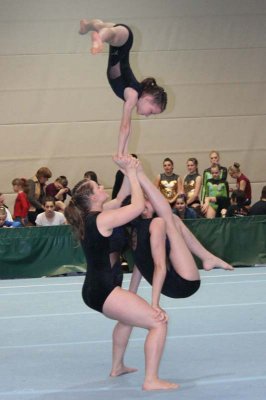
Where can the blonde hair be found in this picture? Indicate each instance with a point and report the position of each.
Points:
(235, 168)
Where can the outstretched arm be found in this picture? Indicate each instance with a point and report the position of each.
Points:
(131, 98)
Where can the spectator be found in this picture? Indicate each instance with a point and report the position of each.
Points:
(58, 190)
(2, 203)
(216, 196)
(192, 183)
(259, 208)
(242, 182)
(215, 160)
(50, 217)
(91, 175)
(237, 207)
(169, 183)
(36, 193)
(4, 223)
(182, 210)
(22, 204)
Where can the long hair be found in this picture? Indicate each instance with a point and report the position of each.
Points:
(157, 92)
(195, 162)
(79, 206)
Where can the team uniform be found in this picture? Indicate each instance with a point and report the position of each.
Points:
(101, 278)
(174, 285)
(168, 186)
(119, 73)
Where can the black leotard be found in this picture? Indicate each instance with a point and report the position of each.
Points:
(101, 277)
(118, 63)
(174, 285)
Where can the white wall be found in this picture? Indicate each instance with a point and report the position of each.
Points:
(57, 109)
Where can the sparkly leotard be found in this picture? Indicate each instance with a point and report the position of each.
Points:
(101, 278)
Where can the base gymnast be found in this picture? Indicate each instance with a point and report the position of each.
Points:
(147, 97)
(94, 222)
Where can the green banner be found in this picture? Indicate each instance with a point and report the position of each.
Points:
(46, 251)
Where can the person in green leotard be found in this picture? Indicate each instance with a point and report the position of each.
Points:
(216, 194)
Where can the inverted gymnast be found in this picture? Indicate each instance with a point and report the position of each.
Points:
(147, 97)
(93, 219)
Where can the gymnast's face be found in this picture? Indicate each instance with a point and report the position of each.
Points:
(99, 194)
(146, 106)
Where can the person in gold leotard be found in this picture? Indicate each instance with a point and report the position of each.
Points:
(169, 183)
(192, 183)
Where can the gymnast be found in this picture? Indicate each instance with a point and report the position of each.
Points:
(146, 96)
(94, 219)
(176, 275)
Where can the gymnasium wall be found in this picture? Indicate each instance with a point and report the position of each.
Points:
(57, 110)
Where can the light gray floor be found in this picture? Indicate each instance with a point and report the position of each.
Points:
(54, 348)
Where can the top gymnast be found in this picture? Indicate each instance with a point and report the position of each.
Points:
(146, 96)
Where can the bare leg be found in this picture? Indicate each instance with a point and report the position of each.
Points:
(103, 32)
(121, 334)
(157, 241)
(181, 258)
(208, 259)
(130, 309)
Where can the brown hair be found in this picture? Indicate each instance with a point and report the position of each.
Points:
(167, 159)
(158, 93)
(23, 183)
(43, 172)
(79, 206)
(195, 162)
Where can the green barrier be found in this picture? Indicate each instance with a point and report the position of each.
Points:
(46, 251)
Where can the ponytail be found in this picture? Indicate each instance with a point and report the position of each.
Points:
(149, 86)
(78, 207)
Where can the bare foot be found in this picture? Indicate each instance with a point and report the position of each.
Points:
(97, 44)
(159, 384)
(84, 26)
(122, 371)
(215, 262)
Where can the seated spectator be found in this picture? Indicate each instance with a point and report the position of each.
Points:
(169, 183)
(192, 183)
(242, 182)
(59, 191)
(181, 209)
(259, 208)
(4, 223)
(91, 175)
(22, 204)
(214, 160)
(216, 195)
(237, 207)
(2, 203)
(36, 194)
(50, 217)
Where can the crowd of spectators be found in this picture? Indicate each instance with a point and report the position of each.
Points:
(209, 195)
(39, 203)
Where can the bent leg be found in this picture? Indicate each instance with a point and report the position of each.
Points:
(131, 310)
(157, 241)
(103, 32)
(180, 256)
(208, 259)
